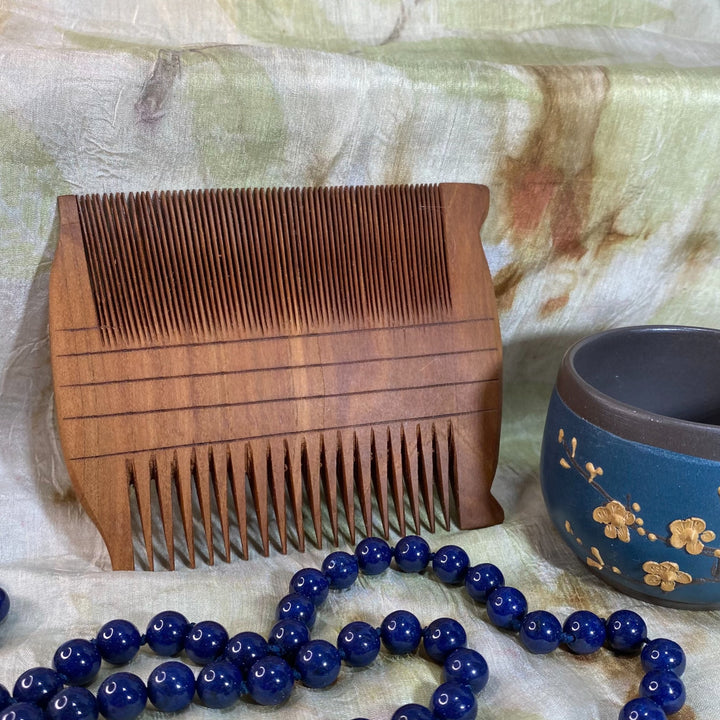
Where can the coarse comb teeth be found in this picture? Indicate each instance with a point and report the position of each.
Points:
(221, 484)
(235, 366)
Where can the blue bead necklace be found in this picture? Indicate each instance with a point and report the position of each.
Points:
(266, 670)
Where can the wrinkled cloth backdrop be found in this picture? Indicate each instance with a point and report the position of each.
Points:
(596, 126)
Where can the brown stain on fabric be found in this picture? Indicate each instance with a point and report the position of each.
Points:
(554, 304)
(152, 104)
(506, 282)
(548, 186)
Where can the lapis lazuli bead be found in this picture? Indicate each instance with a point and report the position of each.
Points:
(78, 660)
(5, 697)
(626, 631)
(359, 643)
(118, 641)
(412, 554)
(441, 637)
(22, 711)
(205, 642)
(506, 607)
(121, 696)
(452, 701)
(73, 703)
(663, 654)
(467, 667)
(412, 711)
(220, 685)
(244, 649)
(296, 607)
(401, 632)
(341, 569)
(270, 681)
(288, 636)
(318, 663)
(540, 632)
(481, 580)
(312, 584)
(171, 686)
(4, 604)
(585, 632)
(450, 564)
(374, 555)
(642, 709)
(166, 633)
(665, 688)
(37, 685)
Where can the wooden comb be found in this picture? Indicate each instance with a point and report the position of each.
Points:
(282, 347)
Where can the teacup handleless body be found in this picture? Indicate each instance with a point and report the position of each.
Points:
(630, 466)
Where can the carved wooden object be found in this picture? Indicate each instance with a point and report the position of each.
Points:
(220, 351)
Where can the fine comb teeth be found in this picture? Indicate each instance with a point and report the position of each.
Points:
(217, 349)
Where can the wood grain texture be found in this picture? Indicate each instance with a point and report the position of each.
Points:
(225, 353)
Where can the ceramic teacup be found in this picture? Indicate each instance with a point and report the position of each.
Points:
(630, 466)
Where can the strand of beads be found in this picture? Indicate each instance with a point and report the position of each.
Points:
(266, 671)
(661, 690)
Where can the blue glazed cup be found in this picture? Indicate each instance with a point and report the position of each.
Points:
(630, 466)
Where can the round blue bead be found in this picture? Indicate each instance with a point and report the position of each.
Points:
(288, 636)
(401, 632)
(73, 703)
(586, 631)
(78, 660)
(373, 555)
(121, 696)
(37, 685)
(5, 697)
(166, 633)
(506, 607)
(312, 584)
(412, 711)
(171, 686)
(642, 709)
(452, 701)
(270, 681)
(540, 632)
(665, 688)
(467, 667)
(118, 641)
(626, 631)
(663, 654)
(22, 711)
(412, 554)
(4, 604)
(296, 607)
(318, 663)
(359, 643)
(441, 637)
(244, 649)
(450, 564)
(341, 569)
(219, 685)
(205, 642)
(481, 580)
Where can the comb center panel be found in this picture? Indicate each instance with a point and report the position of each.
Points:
(257, 262)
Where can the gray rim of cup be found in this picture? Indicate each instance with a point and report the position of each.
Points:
(630, 421)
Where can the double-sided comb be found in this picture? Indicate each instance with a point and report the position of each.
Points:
(221, 349)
